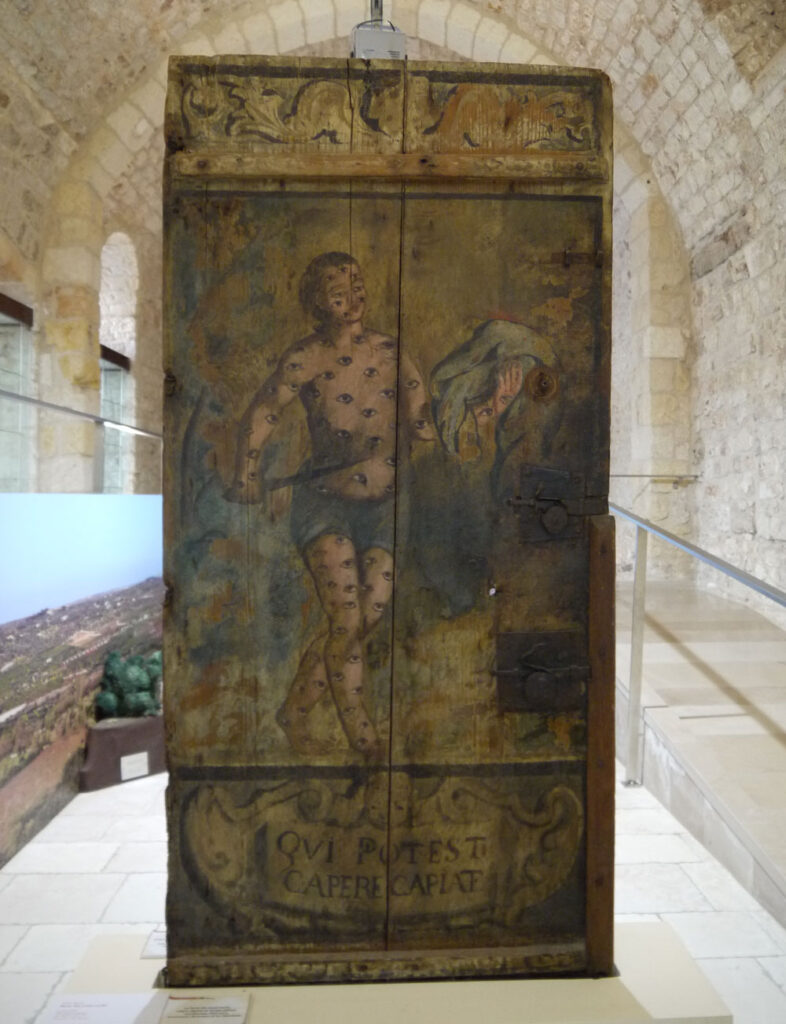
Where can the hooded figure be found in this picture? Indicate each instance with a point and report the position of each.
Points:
(492, 398)
(470, 376)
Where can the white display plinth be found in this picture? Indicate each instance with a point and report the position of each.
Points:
(657, 981)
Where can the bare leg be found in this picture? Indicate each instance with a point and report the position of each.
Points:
(332, 562)
(377, 569)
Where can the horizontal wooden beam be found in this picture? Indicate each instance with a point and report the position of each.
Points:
(542, 166)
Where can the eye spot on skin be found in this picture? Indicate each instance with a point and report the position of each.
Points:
(345, 399)
(315, 392)
(328, 375)
(332, 585)
(271, 418)
(344, 360)
(294, 366)
(412, 384)
(338, 676)
(374, 441)
(343, 434)
(253, 453)
(350, 588)
(421, 424)
(388, 393)
(294, 387)
(350, 604)
(368, 413)
(371, 371)
(361, 478)
(370, 560)
(387, 575)
(485, 412)
(388, 344)
(390, 489)
(252, 476)
(341, 539)
(390, 460)
(320, 683)
(339, 630)
(353, 660)
(347, 563)
(378, 606)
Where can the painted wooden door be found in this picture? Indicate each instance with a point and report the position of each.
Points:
(388, 654)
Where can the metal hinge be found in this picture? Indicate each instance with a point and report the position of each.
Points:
(551, 504)
(541, 671)
(568, 257)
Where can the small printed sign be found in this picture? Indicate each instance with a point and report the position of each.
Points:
(207, 1009)
(134, 766)
(155, 947)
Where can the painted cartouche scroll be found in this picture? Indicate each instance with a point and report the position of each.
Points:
(388, 656)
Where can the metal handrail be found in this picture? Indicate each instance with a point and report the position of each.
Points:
(633, 767)
(767, 589)
(102, 420)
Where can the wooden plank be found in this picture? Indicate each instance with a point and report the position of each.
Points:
(600, 752)
(333, 824)
(534, 167)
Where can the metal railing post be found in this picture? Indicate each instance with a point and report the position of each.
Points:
(98, 459)
(633, 766)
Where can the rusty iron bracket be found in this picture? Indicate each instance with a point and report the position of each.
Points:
(567, 257)
(551, 504)
(541, 671)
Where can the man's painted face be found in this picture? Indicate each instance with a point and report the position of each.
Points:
(343, 294)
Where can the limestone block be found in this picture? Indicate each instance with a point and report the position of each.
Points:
(115, 156)
(662, 374)
(432, 18)
(77, 199)
(199, 46)
(150, 99)
(348, 14)
(258, 32)
(288, 24)
(319, 17)
(79, 231)
(70, 301)
(404, 16)
(665, 342)
(462, 22)
(100, 180)
(66, 474)
(489, 39)
(72, 264)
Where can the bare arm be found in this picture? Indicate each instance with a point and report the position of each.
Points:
(260, 420)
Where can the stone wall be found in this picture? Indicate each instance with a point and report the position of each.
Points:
(699, 101)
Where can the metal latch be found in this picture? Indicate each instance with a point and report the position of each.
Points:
(541, 671)
(551, 504)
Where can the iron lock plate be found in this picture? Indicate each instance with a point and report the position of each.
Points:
(551, 504)
(542, 671)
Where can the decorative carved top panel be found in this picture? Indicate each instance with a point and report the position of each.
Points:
(386, 107)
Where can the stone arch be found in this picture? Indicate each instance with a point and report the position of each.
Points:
(703, 128)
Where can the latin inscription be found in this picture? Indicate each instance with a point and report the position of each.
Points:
(314, 867)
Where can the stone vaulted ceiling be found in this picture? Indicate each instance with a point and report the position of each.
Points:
(690, 80)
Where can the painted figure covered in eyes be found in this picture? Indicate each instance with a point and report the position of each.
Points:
(348, 377)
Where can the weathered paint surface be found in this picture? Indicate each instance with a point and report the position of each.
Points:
(387, 423)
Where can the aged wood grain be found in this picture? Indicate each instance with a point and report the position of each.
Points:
(387, 432)
(536, 167)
